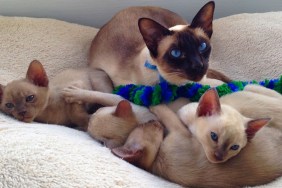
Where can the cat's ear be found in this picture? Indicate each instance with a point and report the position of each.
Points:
(152, 33)
(204, 18)
(36, 74)
(123, 109)
(209, 103)
(130, 154)
(253, 126)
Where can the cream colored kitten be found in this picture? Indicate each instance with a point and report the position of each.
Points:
(221, 129)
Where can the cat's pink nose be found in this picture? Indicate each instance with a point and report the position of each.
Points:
(218, 155)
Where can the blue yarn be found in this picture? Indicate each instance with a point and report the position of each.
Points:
(193, 90)
(271, 84)
(146, 96)
(167, 94)
(233, 87)
(125, 91)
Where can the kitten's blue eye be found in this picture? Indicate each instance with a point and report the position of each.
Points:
(175, 53)
(29, 98)
(234, 147)
(214, 136)
(10, 105)
(202, 47)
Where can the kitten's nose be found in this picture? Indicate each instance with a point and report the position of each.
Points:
(218, 155)
(22, 113)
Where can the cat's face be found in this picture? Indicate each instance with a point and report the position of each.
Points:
(221, 129)
(24, 99)
(222, 136)
(182, 52)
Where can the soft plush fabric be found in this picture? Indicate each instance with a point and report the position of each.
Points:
(42, 155)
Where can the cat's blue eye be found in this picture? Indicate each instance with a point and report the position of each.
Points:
(29, 98)
(175, 53)
(234, 147)
(9, 105)
(202, 47)
(214, 136)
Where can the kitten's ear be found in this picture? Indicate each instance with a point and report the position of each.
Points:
(204, 17)
(152, 33)
(123, 109)
(209, 103)
(253, 126)
(36, 74)
(131, 154)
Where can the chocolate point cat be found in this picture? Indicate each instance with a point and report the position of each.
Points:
(172, 49)
(220, 128)
(35, 98)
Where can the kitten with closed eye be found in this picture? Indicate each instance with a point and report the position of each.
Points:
(141, 44)
(221, 129)
(34, 98)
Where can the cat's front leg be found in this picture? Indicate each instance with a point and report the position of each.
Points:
(76, 94)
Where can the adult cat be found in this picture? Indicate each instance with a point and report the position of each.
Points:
(136, 46)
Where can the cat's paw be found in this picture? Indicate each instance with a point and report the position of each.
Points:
(72, 94)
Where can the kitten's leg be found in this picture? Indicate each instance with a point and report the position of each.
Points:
(79, 116)
(168, 118)
(75, 94)
(263, 91)
(217, 75)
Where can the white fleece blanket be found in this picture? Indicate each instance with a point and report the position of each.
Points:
(39, 155)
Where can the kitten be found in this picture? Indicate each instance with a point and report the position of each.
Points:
(181, 159)
(171, 48)
(221, 129)
(111, 124)
(34, 98)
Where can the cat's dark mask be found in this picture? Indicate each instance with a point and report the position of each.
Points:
(181, 53)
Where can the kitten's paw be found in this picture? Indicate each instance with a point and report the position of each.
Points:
(72, 94)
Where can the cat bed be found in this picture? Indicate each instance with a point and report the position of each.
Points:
(245, 47)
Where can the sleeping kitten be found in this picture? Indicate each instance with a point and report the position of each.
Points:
(221, 129)
(140, 43)
(181, 159)
(34, 98)
(111, 124)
